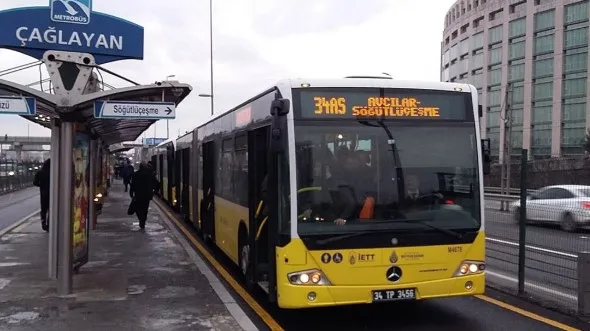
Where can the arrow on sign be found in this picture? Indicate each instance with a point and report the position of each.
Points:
(134, 109)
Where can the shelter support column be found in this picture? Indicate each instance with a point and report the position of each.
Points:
(64, 272)
(54, 199)
(92, 187)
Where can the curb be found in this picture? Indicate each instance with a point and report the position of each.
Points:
(17, 223)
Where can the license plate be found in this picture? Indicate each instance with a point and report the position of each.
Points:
(394, 295)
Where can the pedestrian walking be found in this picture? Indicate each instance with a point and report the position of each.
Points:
(143, 187)
(41, 180)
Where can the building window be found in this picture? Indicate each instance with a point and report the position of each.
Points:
(495, 54)
(575, 86)
(494, 97)
(545, 20)
(517, 28)
(576, 12)
(495, 76)
(544, 44)
(543, 68)
(516, 71)
(575, 38)
(542, 112)
(495, 34)
(573, 63)
(477, 41)
(541, 139)
(573, 134)
(516, 50)
(543, 90)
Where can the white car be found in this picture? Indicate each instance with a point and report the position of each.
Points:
(568, 205)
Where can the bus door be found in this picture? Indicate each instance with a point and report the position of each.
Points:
(170, 173)
(208, 202)
(177, 186)
(161, 175)
(185, 191)
(258, 239)
(276, 188)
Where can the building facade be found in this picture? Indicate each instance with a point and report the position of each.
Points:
(529, 61)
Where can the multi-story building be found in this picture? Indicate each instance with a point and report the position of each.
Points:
(529, 61)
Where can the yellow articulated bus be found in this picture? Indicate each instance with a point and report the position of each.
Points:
(349, 191)
(163, 158)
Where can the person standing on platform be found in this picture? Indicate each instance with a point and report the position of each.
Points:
(143, 186)
(41, 180)
(127, 173)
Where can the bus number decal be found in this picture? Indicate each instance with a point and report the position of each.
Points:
(330, 106)
(455, 249)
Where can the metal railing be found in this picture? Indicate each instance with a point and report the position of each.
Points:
(539, 250)
(15, 176)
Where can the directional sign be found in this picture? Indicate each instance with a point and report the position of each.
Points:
(18, 105)
(134, 109)
(153, 141)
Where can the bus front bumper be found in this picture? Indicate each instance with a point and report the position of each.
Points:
(297, 296)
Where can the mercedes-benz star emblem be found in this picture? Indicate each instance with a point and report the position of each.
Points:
(394, 274)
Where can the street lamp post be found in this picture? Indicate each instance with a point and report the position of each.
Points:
(210, 94)
(211, 49)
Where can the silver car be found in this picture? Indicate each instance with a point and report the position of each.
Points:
(568, 205)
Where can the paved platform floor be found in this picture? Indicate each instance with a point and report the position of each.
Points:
(135, 280)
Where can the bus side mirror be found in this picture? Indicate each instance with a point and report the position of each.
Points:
(486, 158)
(279, 107)
(480, 110)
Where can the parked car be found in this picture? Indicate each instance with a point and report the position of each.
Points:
(568, 205)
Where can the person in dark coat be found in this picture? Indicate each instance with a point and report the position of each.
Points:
(143, 186)
(127, 173)
(41, 180)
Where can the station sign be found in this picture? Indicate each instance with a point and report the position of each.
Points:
(71, 26)
(134, 110)
(18, 105)
(153, 141)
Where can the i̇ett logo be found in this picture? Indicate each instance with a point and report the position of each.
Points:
(71, 11)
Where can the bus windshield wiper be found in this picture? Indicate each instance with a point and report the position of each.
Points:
(426, 223)
(342, 237)
(423, 222)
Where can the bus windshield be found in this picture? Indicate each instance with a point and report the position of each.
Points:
(371, 175)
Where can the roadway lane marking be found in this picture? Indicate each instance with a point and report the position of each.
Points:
(263, 314)
(25, 224)
(536, 287)
(527, 313)
(536, 248)
(17, 223)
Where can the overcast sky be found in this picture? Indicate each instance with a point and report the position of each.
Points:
(257, 42)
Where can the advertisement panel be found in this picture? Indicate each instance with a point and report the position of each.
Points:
(81, 199)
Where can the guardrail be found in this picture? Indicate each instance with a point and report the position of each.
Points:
(10, 184)
(512, 191)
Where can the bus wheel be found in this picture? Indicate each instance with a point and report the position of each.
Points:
(244, 255)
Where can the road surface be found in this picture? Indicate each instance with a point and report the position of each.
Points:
(16, 205)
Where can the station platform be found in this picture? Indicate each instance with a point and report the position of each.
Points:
(135, 280)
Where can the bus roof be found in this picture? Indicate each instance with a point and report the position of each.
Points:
(377, 82)
(167, 142)
(374, 82)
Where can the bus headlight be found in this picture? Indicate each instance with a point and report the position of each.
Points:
(470, 268)
(308, 277)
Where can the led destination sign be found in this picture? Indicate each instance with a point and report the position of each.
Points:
(392, 105)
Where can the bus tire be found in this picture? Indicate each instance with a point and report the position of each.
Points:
(244, 255)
